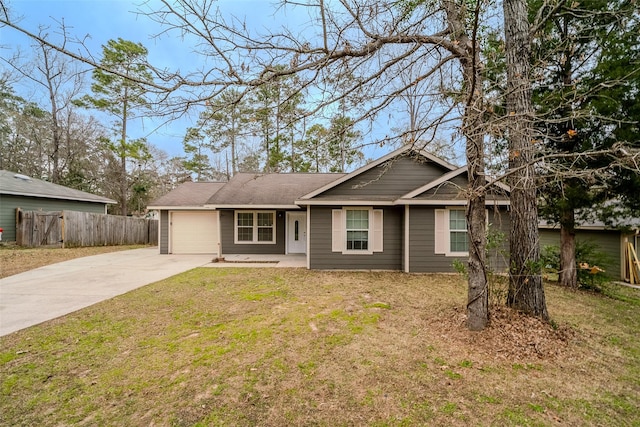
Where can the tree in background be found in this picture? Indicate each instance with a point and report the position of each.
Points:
(587, 99)
(341, 144)
(26, 134)
(123, 96)
(61, 80)
(196, 160)
(225, 124)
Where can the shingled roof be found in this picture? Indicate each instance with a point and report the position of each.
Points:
(269, 190)
(21, 185)
(188, 194)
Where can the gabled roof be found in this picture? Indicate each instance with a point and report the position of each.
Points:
(413, 197)
(21, 185)
(406, 149)
(402, 180)
(252, 190)
(188, 194)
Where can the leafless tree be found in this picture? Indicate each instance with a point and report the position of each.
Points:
(373, 42)
(62, 80)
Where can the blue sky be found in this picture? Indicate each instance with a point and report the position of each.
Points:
(98, 21)
(102, 20)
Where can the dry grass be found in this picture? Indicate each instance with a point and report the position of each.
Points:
(15, 259)
(279, 347)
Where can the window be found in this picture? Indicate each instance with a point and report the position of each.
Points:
(245, 226)
(255, 227)
(458, 240)
(356, 230)
(451, 238)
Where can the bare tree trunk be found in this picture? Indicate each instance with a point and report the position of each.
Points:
(568, 275)
(473, 129)
(49, 75)
(234, 160)
(123, 157)
(526, 292)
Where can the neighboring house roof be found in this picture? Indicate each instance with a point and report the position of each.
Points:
(619, 218)
(269, 190)
(188, 194)
(21, 185)
(594, 224)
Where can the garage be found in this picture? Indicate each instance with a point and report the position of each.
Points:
(194, 232)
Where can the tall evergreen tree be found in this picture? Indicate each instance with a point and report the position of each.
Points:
(122, 95)
(587, 100)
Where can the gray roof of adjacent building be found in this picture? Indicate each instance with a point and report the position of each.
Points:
(191, 194)
(12, 183)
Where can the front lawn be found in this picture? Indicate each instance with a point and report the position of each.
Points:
(282, 347)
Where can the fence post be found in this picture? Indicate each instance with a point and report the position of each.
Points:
(62, 230)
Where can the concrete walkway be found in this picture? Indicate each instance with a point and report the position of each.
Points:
(45, 293)
(279, 261)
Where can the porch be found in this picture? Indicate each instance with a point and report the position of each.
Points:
(261, 260)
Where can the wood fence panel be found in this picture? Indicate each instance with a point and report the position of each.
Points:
(38, 228)
(35, 228)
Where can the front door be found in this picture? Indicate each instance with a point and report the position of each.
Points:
(297, 233)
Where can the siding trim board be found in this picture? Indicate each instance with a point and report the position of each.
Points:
(407, 236)
(308, 254)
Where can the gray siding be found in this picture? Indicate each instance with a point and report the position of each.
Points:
(608, 241)
(422, 257)
(321, 257)
(499, 229)
(452, 189)
(9, 203)
(164, 232)
(395, 179)
(227, 234)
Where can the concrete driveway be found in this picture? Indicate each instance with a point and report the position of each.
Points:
(45, 293)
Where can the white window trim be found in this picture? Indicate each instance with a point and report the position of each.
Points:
(442, 235)
(255, 228)
(339, 230)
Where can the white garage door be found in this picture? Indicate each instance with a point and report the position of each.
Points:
(194, 232)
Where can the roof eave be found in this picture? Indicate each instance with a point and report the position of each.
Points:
(252, 206)
(453, 202)
(58, 197)
(344, 202)
(179, 207)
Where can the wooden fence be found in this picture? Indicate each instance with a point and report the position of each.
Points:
(73, 229)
